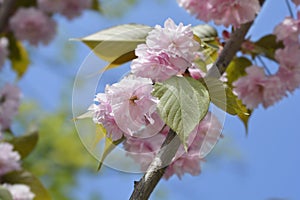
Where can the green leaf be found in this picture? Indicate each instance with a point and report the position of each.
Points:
(27, 3)
(18, 56)
(96, 5)
(112, 43)
(236, 69)
(5, 194)
(243, 114)
(267, 46)
(207, 36)
(205, 32)
(109, 143)
(25, 144)
(26, 178)
(221, 95)
(183, 103)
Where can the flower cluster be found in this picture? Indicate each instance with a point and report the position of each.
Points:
(222, 12)
(9, 158)
(128, 110)
(256, 87)
(168, 51)
(9, 162)
(289, 71)
(33, 25)
(36, 25)
(67, 8)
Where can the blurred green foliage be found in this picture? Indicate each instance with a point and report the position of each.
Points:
(59, 155)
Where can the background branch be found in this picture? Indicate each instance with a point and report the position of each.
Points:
(5, 10)
(144, 187)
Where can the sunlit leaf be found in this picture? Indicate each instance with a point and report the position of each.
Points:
(24, 177)
(96, 5)
(5, 194)
(209, 43)
(88, 114)
(236, 69)
(183, 103)
(25, 144)
(205, 32)
(243, 114)
(112, 43)
(222, 96)
(18, 56)
(109, 143)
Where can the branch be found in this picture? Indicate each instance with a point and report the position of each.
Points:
(5, 10)
(231, 47)
(144, 187)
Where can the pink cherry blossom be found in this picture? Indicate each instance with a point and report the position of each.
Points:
(128, 108)
(9, 159)
(157, 65)
(222, 12)
(196, 73)
(3, 51)
(274, 91)
(250, 87)
(288, 31)
(256, 88)
(201, 141)
(288, 58)
(68, 8)
(10, 99)
(134, 107)
(19, 191)
(102, 114)
(143, 150)
(177, 40)
(168, 51)
(32, 25)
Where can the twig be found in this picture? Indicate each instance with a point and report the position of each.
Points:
(5, 11)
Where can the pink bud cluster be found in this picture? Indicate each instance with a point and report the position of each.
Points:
(128, 110)
(222, 12)
(256, 87)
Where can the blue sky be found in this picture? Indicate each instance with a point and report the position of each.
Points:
(262, 166)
